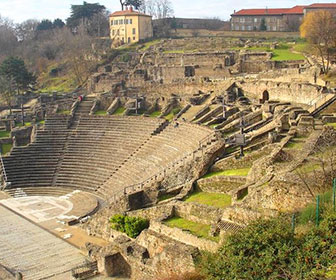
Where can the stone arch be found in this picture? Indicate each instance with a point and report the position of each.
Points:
(265, 96)
(116, 265)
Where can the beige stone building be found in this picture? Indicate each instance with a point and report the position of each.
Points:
(274, 19)
(286, 19)
(129, 26)
(331, 7)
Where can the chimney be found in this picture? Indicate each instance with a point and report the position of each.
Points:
(131, 9)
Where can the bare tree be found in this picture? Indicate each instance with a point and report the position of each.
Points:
(8, 40)
(157, 8)
(26, 30)
(7, 91)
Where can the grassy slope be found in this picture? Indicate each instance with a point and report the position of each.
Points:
(5, 148)
(197, 229)
(211, 199)
(4, 134)
(119, 111)
(230, 172)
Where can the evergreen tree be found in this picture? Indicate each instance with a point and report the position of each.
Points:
(82, 13)
(263, 26)
(45, 24)
(58, 23)
(13, 68)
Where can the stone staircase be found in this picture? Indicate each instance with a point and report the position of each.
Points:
(321, 103)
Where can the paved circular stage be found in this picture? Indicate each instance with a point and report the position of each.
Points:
(69, 208)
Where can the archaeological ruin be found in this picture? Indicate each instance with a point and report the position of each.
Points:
(156, 129)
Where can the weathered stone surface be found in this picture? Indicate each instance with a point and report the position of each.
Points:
(221, 184)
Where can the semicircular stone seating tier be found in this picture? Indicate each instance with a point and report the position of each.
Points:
(100, 154)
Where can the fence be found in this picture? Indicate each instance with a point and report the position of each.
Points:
(3, 171)
(313, 212)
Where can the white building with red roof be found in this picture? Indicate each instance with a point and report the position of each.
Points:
(285, 19)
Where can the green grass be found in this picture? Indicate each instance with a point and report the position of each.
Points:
(212, 199)
(294, 144)
(286, 54)
(63, 112)
(309, 167)
(282, 53)
(301, 47)
(165, 197)
(5, 148)
(197, 229)
(308, 214)
(147, 45)
(172, 113)
(155, 114)
(100, 113)
(4, 134)
(173, 51)
(213, 125)
(19, 124)
(229, 172)
(331, 124)
(119, 111)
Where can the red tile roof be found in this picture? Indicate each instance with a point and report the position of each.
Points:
(322, 5)
(128, 12)
(259, 12)
(256, 12)
(296, 10)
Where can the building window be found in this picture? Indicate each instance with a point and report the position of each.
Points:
(134, 31)
(255, 19)
(118, 32)
(120, 21)
(249, 28)
(126, 21)
(111, 22)
(242, 19)
(129, 39)
(113, 32)
(131, 21)
(243, 28)
(115, 22)
(274, 28)
(133, 38)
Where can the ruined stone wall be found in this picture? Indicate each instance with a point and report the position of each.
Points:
(220, 184)
(187, 238)
(198, 213)
(158, 212)
(285, 92)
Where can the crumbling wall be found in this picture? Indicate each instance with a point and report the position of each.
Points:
(285, 92)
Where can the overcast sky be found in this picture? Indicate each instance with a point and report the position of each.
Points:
(20, 10)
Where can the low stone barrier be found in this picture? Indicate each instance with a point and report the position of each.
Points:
(221, 184)
(198, 213)
(185, 237)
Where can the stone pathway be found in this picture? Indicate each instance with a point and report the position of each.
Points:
(35, 252)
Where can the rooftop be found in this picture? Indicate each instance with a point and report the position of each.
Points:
(283, 11)
(128, 12)
(322, 5)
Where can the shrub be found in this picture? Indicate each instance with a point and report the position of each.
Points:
(132, 226)
(268, 249)
(185, 276)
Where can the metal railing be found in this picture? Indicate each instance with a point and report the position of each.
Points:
(3, 170)
(203, 148)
